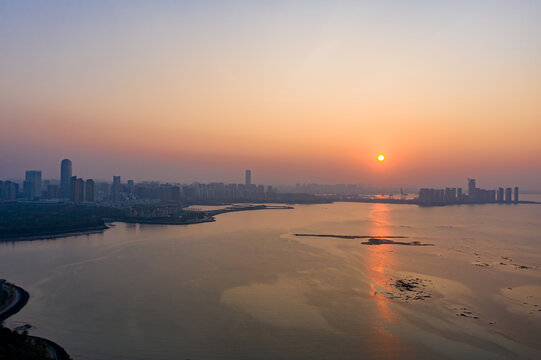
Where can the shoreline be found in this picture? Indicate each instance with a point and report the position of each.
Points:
(162, 222)
(59, 351)
(54, 235)
(431, 204)
(211, 217)
(21, 299)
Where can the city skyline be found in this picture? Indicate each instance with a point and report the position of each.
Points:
(77, 191)
(304, 92)
(242, 179)
(65, 177)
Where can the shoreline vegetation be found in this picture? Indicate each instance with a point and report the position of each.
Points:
(39, 221)
(20, 345)
(25, 221)
(29, 220)
(55, 234)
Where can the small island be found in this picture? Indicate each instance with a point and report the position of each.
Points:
(372, 239)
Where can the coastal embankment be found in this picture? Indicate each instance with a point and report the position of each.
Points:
(15, 299)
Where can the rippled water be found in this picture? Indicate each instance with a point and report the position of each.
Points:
(246, 287)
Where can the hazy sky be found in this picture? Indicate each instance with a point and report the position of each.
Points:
(297, 91)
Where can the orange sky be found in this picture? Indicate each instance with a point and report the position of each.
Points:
(299, 93)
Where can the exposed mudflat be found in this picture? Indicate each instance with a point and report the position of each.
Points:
(372, 239)
(352, 236)
(380, 241)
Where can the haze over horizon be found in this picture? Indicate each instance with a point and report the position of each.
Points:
(297, 92)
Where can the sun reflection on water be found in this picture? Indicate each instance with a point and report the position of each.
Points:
(378, 259)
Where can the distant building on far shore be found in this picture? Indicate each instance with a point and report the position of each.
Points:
(248, 178)
(8, 190)
(53, 191)
(77, 190)
(32, 185)
(475, 195)
(500, 195)
(65, 178)
(89, 190)
(471, 187)
(508, 192)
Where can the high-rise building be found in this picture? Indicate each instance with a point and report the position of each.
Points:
(131, 187)
(491, 196)
(32, 185)
(102, 190)
(89, 190)
(116, 188)
(8, 190)
(450, 195)
(12, 190)
(516, 194)
(77, 190)
(508, 192)
(65, 178)
(53, 191)
(471, 189)
(73, 180)
(116, 184)
(248, 178)
(80, 191)
(499, 197)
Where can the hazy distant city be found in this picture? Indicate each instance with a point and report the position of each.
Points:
(71, 188)
(308, 180)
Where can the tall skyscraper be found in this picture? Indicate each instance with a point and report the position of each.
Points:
(131, 187)
(73, 188)
(8, 190)
(516, 194)
(471, 187)
(77, 190)
(89, 190)
(32, 185)
(65, 177)
(116, 188)
(508, 192)
(499, 197)
(116, 184)
(248, 178)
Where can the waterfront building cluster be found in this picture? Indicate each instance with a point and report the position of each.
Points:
(475, 195)
(127, 194)
(70, 188)
(8, 190)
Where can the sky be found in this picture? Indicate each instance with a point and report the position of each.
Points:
(296, 91)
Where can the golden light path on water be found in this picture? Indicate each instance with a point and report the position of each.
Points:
(378, 259)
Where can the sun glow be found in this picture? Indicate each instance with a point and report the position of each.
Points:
(381, 157)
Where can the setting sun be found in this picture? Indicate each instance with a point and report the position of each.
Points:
(381, 157)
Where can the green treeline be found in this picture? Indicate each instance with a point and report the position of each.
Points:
(21, 219)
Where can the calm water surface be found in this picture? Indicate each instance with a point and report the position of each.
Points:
(246, 287)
